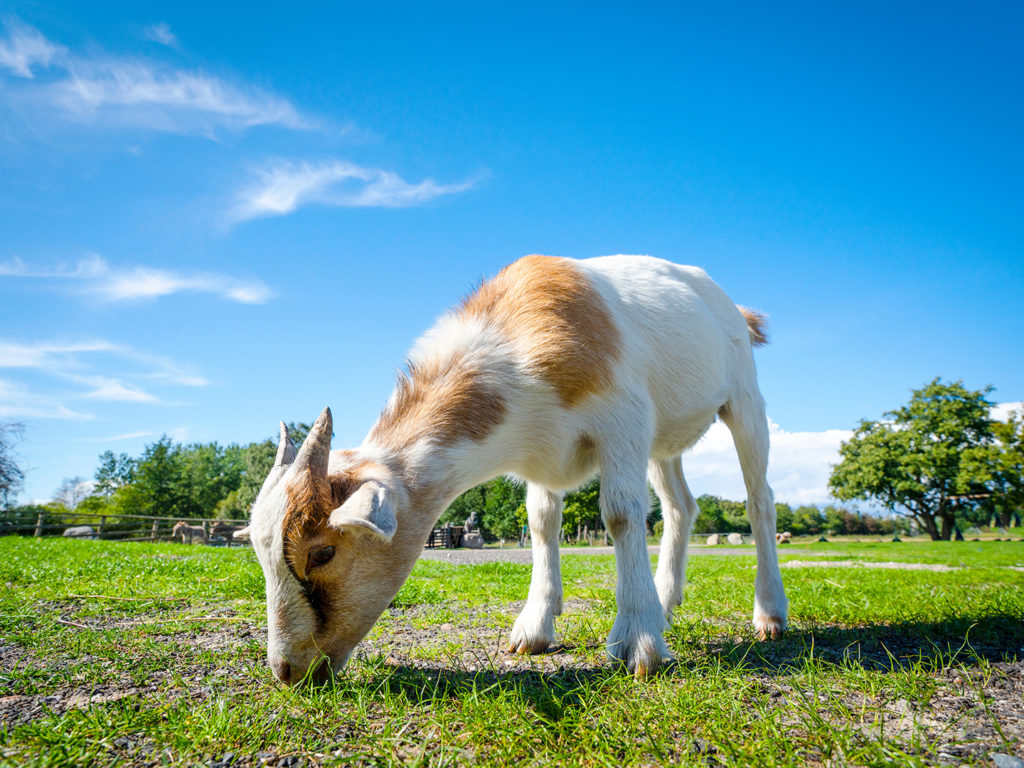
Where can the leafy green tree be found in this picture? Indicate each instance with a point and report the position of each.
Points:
(807, 521)
(783, 517)
(115, 471)
(913, 462)
(718, 515)
(582, 507)
(1000, 466)
(501, 512)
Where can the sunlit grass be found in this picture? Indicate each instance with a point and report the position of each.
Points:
(173, 671)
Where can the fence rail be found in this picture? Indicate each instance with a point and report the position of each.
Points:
(117, 527)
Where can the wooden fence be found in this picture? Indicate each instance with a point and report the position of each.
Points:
(115, 527)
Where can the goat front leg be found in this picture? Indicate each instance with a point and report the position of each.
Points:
(637, 638)
(534, 630)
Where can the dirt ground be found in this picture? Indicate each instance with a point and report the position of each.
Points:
(957, 722)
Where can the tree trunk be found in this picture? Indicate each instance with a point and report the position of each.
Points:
(947, 526)
(928, 523)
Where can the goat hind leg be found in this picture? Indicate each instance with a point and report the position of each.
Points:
(746, 420)
(678, 511)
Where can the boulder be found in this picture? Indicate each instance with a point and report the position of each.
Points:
(714, 540)
(735, 539)
(80, 532)
(473, 540)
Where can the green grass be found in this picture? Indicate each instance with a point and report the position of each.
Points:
(882, 666)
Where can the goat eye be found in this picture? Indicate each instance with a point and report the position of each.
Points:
(321, 555)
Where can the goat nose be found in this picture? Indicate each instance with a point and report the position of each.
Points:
(282, 669)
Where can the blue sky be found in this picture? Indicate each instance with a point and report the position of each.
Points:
(215, 217)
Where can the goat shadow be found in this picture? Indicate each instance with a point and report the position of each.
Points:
(968, 641)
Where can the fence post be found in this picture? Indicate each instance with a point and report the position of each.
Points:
(39, 525)
(152, 535)
(99, 530)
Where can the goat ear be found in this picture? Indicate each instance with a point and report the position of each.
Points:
(367, 511)
(242, 534)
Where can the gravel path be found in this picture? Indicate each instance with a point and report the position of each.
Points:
(517, 555)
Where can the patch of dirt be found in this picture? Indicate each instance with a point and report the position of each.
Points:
(976, 707)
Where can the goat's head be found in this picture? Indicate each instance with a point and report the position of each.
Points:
(325, 538)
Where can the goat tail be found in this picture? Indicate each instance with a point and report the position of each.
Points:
(757, 324)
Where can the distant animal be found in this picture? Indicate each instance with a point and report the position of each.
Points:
(553, 370)
(736, 539)
(714, 540)
(188, 533)
(783, 538)
(224, 530)
(80, 532)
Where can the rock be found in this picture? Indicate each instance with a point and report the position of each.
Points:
(714, 540)
(735, 539)
(80, 532)
(1006, 761)
(473, 541)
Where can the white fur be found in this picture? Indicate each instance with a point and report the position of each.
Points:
(684, 356)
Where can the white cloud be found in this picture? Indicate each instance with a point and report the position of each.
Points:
(87, 365)
(119, 91)
(161, 33)
(97, 278)
(114, 390)
(17, 402)
(798, 468)
(25, 48)
(1002, 411)
(65, 358)
(116, 438)
(799, 464)
(284, 187)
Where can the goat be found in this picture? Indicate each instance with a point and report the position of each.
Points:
(224, 530)
(551, 371)
(187, 532)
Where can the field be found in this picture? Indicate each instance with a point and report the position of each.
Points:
(153, 654)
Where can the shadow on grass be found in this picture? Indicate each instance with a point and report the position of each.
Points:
(876, 647)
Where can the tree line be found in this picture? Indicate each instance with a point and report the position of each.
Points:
(937, 463)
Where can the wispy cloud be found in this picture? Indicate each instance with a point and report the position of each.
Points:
(25, 49)
(114, 390)
(93, 370)
(94, 276)
(283, 187)
(70, 358)
(161, 33)
(122, 91)
(116, 438)
(18, 402)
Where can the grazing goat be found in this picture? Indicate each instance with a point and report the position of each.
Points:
(553, 370)
(224, 530)
(188, 532)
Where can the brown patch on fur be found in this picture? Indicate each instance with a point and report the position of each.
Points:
(444, 399)
(552, 313)
(757, 324)
(311, 499)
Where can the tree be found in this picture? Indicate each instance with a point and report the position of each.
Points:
(1000, 466)
(913, 462)
(11, 475)
(72, 491)
(115, 471)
